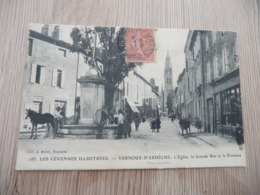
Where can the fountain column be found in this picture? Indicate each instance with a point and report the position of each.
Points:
(92, 96)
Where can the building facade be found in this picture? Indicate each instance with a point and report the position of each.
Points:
(210, 82)
(180, 95)
(137, 95)
(51, 74)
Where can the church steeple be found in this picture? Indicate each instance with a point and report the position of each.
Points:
(168, 64)
(168, 56)
(168, 85)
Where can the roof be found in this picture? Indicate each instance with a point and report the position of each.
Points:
(190, 40)
(51, 40)
(181, 76)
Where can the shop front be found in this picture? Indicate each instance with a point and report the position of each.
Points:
(228, 110)
(227, 104)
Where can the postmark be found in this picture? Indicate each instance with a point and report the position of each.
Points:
(140, 45)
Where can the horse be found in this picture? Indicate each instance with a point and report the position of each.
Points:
(37, 118)
(184, 124)
(198, 124)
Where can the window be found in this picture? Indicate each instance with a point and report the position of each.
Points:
(30, 47)
(64, 52)
(169, 81)
(196, 47)
(58, 78)
(231, 107)
(195, 79)
(207, 42)
(198, 76)
(127, 89)
(37, 106)
(37, 74)
(116, 95)
(214, 37)
(188, 83)
(215, 64)
(208, 72)
(225, 66)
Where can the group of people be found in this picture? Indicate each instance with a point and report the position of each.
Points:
(156, 124)
(185, 124)
(124, 125)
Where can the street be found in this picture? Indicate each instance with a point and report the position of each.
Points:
(170, 133)
(169, 137)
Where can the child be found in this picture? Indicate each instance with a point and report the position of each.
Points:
(153, 125)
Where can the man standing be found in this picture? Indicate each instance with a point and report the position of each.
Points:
(189, 122)
(102, 122)
(127, 129)
(158, 124)
(77, 112)
(57, 117)
(137, 121)
(239, 136)
(120, 124)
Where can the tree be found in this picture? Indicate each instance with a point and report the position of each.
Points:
(106, 46)
(169, 101)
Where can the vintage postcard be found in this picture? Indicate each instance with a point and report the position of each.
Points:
(130, 98)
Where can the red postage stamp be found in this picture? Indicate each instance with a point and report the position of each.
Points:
(140, 45)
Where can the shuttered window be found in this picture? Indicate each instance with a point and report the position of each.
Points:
(37, 74)
(58, 78)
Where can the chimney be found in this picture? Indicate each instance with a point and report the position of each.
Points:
(56, 32)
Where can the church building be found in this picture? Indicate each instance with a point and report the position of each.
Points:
(168, 85)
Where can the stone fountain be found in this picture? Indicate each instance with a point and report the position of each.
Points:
(92, 98)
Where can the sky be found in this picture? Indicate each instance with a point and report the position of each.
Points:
(165, 40)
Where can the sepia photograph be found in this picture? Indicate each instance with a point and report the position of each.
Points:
(130, 98)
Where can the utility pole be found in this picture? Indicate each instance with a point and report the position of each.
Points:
(76, 89)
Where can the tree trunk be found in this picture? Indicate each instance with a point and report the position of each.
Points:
(109, 96)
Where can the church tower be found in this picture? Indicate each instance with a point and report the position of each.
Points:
(168, 85)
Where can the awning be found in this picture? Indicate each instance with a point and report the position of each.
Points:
(132, 106)
(138, 104)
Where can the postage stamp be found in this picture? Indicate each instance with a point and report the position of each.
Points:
(140, 45)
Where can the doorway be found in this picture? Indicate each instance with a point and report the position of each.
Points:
(210, 115)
